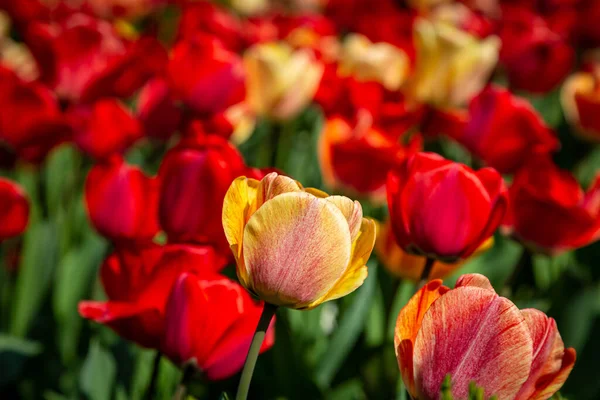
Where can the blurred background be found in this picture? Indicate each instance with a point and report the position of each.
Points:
(123, 121)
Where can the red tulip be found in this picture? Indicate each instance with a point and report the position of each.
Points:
(31, 123)
(14, 209)
(549, 211)
(501, 129)
(104, 128)
(358, 157)
(121, 201)
(474, 335)
(194, 177)
(157, 111)
(205, 75)
(535, 57)
(210, 320)
(84, 59)
(137, 281)
(444, 209)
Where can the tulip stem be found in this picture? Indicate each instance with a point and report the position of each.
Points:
(150, 392)
(259, 335)
(426, 271)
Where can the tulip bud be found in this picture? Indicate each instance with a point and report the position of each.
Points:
(104, 128)
(14, 209)
(452, 66)
(281, 81)
(121, 201)
(474, 335)
(205, 75)
(410, 266)
(194, 177)
(137, 281)
(210, 321)
(442, 209)
(380, 62)
(296, 247)
(549, 211)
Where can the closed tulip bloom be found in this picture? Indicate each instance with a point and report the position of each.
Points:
(549, 210)
(104, 128)
(280, 81)
(194, 177)
(379, 62)
(138, 281)
(14, 209)
(442, 209)
(358, 158)
(580, 98)
(410, 266)
(121, 201)
(210, 321)
(452, 65)
(296, 247)
(474, 335)
(157, 111)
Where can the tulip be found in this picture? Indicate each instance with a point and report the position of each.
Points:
(380, 62)
(501, 129)
(425, 5)
(84, 59)
(138, 281)
(580, 98)
(452, 66)
(281, 81)
(122, 202)
(474, 335)
(442, 209)
(14, 209)
(104, 128)
(124, 8)
(410, 266)
(359, 158)
(210, 321)
(31, 123)
(549, 211)
(205, 75)
(194, 177)
(296, 247)
(536, 58)
(157, 111)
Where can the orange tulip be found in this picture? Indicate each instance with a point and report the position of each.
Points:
(474, 335)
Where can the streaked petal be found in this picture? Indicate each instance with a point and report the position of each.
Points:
(273, 185)
(296, 246)
(352, 210)
(475, 280)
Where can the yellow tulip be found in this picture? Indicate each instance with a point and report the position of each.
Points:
(410, 266)
(296, 247)
(380, 62)
(452, 66)
(280, 81)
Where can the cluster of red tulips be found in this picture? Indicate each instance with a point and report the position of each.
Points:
(189, 119)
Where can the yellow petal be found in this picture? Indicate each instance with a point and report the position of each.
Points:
(273, 185)
(352, 210)
(357, 271)
(295, 246)
(238, 206)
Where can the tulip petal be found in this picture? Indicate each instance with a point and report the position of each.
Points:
(408, 325)
(298, 245)
(273, 185)
(548, 385)
(474, 280)
(352, 210)
(238, 206)
(482, 338)
(357, 270)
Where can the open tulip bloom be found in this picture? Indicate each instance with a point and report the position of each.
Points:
(474, 335)
(294, 247)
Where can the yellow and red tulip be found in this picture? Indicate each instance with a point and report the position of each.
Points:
(296, 247)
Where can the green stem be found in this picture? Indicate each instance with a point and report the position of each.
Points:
(181, 392)
(150, 392)
(259, 335)
(426, 271)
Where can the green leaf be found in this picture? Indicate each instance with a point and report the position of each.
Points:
(577, 317)
(35, 275)
(142, 372)
(98, 373)
(224, 396)
(401, 393)
(375, 322)
(350, 390)
(14, 352)
(348, 331)
(168, 379)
